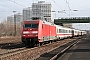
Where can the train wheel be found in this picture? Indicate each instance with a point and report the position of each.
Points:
(27, 44)
(40, 44)
(50, 41)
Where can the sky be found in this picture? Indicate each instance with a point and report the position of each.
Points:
(83, 6)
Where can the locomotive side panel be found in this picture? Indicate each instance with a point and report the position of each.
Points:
(45, 32)
(53, 33)
(40, 31)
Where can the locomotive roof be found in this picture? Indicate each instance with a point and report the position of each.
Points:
(44, 22)
(62, 27)
(48, 23)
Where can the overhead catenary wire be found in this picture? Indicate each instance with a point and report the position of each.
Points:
(67, 2)
(68, 5)
(10, 8)
(4, 6)
(17, 3)
(59, 6)
(7, 11)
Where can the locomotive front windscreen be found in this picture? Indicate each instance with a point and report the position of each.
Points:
(31, 26)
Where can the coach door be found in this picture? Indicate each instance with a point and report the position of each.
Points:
(72, 33)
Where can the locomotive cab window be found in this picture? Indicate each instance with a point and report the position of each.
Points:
(31, 26)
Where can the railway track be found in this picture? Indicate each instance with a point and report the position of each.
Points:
(30, 53)
(64, 50)
(9, 41)
(11, 48)
(54, 54)
(11, 51)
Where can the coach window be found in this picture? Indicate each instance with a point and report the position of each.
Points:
(66, 31)
(60, 31)
(69, 31)
(63, 31)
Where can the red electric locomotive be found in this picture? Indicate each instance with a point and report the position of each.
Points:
(37, 31)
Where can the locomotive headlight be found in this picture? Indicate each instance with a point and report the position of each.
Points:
(24, 35)
(34, 32)
(36, 35)
(25, 32)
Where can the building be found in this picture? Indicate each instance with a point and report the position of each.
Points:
(27, 13)
(10, 19)
(42, 10)
(19, 17)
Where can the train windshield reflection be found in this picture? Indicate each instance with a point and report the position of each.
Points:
(31, 26)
